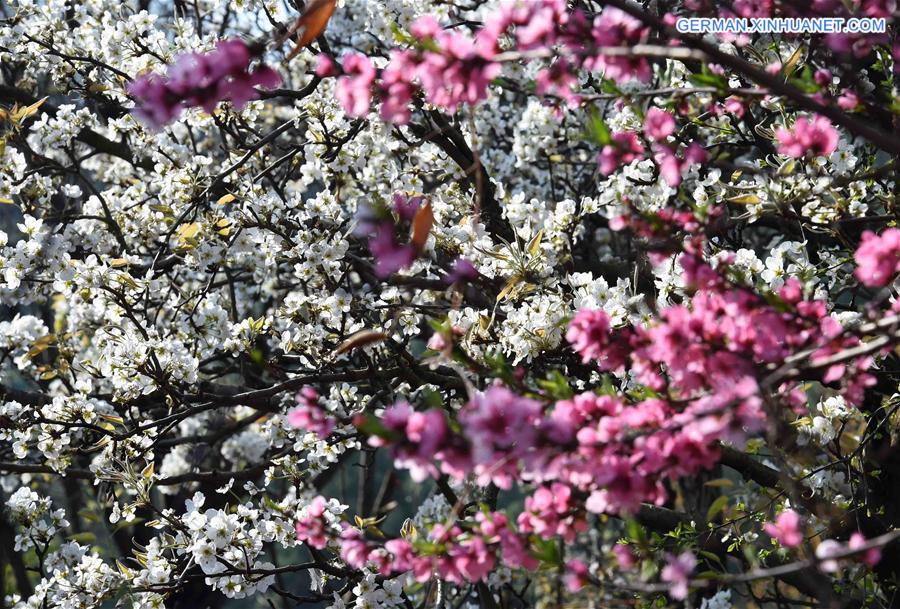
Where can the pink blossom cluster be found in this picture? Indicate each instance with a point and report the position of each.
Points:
(703, 361)
(828, 550)
(726, 336)
(309, 415)
(455, 554)
(382, 230)
(415, 438)
(452, 68)
(624, 148)
(677, 573)
(552, 511)
(815, 137)
(707, 357)
(591, 452)
(847, 99)
(787, 529)
(878, 257)
(312, 527)
(200, 79)
(613, 28)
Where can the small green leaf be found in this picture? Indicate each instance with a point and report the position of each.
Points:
(597, 131)
(708, 79)
(717, 506)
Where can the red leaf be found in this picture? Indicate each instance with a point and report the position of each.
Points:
(312, 22)
(363, 338)
(421, 227)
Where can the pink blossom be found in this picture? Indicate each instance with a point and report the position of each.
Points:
(203, 80)
(471, 559)
(878, 257)
(589, 333)
(312, 527)
(309, 416)
(458, 71)
(426, 26)
(437, 342)
(624, 557)
(559, 80)
(625, 148)
(354, 549)
(156, 104)
(397, 88)
(817, 137)
(735, 106)
(870, 557)
(825, 551)
(848, 100)
(550, 512)
(577, 575)
(752, 8)
(614, 28)
(390, 255)
(406, 207)
(354, 89)
(669, 166)
(417, 438)
(591, 337)
(658, 124)
(823, 77)
(463, 271)
(787, 529)
(859, 45)
(325, 66)
(500, 426)
(677, 573)
(402, 556)
(540, 26)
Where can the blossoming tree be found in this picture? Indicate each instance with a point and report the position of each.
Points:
(422, 303)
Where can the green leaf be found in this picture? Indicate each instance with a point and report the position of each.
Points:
(556, 385)
(547, 551)
(719, 482)
(708, 79)
(597, 131)
(432, 399)
(636, 531)
(371, 425)
(717, 506)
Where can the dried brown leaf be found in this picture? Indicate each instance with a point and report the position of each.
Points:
(312, 23)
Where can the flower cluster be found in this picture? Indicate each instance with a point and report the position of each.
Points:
(35, 515)
(452, 69)
(452, 553)
(787, 529)
(309, 416)
(201, 79)
(816, 137)
(381, 228)
(165, 292)
(878, 257)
